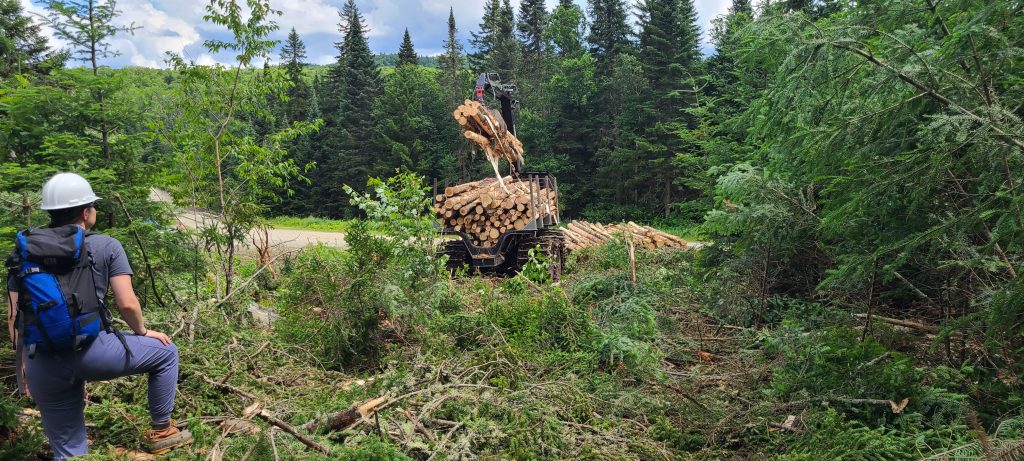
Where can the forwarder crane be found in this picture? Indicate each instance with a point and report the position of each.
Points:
(539, 229)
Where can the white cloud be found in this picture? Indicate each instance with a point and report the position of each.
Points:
(323, 59)
(206, 60)
(307, 16)
(35, 12)
(158, 33)
(178, 25)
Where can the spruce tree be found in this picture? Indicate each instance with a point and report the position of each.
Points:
(741, 6)
(455, 84)
(609, 32)
(406, 52)
(348, 155)
(22, 48)
(453, 75)
(293, 54)
(483, 40)
(651, 121)
(504, 57)
(533, 18)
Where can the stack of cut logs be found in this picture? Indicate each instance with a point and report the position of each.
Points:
(484, 209)
(486, 130)
(582, 234)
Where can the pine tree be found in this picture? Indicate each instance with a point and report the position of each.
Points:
(609, 32)
(406, 52)
(22, 48)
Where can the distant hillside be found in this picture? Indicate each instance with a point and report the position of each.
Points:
(390, 59)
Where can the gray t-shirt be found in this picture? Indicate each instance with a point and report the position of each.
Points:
(109, 258)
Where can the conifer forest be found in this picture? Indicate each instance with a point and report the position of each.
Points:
(796, 234)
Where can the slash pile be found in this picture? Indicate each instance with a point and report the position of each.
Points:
(582, 234)
(485, 210)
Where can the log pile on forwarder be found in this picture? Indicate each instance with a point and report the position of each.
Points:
(484, 210)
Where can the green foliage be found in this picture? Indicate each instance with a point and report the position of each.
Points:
(309, 223)
(833, 362)
(406, 52)
(23, 50)
(831, 436)
(537, 268)
(337, 301)
(17, 440)
(220, 167)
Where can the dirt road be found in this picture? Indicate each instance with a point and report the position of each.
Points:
(280, 239)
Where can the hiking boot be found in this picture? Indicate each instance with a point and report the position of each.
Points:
(164, 440)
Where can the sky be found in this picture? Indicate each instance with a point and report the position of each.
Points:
(177, 26)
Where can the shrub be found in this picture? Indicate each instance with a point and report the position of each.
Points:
(346, 303)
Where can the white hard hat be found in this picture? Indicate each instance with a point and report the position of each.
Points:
(67, 190)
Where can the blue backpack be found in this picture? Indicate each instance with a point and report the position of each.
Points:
(58, 308)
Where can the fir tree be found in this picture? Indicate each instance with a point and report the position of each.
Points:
(22, 48)
(406, 52)
(687, 36)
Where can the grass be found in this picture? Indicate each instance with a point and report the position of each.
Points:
(309, 223)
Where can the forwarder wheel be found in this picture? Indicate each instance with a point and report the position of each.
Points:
(458, 255)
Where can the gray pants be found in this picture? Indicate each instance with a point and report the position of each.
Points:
(57, 382)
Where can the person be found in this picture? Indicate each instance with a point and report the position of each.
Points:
(56, 379)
